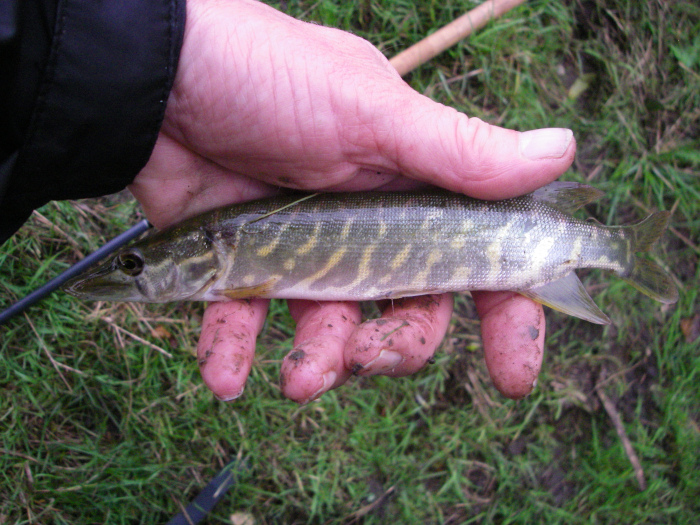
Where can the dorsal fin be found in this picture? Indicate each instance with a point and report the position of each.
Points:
(565, 196)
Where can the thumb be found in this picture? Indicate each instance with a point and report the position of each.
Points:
(441, 146)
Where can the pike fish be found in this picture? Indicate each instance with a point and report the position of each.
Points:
(383, 245)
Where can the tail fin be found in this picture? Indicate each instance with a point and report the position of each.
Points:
(647, 276)
(650, 230)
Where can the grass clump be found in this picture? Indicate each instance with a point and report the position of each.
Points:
(100, 425)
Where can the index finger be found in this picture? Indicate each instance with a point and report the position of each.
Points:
(227, 344)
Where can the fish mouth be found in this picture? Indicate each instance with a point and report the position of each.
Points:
(103, 284)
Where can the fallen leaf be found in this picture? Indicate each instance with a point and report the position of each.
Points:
(161, 332)
(691, 328)
(242, 518)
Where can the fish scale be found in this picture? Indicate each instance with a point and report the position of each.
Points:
(378, 245)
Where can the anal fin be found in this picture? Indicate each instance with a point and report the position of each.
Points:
(568, 295)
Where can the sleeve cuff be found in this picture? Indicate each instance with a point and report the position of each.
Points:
(100, 103)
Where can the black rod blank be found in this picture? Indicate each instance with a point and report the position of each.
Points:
(79, 267)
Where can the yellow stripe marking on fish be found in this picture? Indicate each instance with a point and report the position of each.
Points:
(540, 256)
(430, 218)
(459, 241)
(363, 267)
(421, 278)
(400, 257)
(537, 259)
(462, 274)
(346, 228)
(313, 239)
(332, 263)
(576, 251)
(494, 252)
(607, 263)
(269, 248)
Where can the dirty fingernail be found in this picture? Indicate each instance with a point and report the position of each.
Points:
(547, 143)
(384, 362)
(328, 382)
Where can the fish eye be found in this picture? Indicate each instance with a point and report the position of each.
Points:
(130, 262)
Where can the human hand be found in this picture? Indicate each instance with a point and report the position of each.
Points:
(262, 100)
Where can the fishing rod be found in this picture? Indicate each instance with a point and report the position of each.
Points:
(448, 35)
(78, 268)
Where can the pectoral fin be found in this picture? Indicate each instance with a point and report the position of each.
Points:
(568, 296)
(259, 290)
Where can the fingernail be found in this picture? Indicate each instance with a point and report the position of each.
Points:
(385, 361)
(328, 382)
(547, 143)
(229, 397)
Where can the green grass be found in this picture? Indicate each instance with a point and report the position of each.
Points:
(98, 427)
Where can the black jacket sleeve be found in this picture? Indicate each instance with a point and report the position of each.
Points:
(83, 89)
